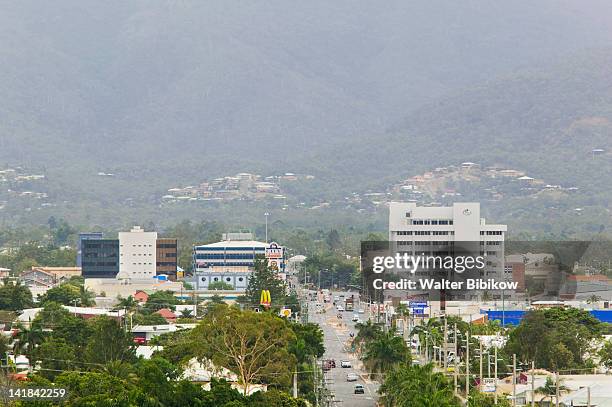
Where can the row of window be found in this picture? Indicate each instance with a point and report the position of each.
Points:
(99, 264)
(245, 256)
(140, 264)
(425, 233)
(95, 255)
(166, 264)
(430, 222)
(222, 264)
(166, 246)
(491, 233)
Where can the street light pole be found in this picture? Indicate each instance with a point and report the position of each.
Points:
(514, 380)
(480, 373)
(495, 374)
(532, 383)
(455, 359)
(467, 365)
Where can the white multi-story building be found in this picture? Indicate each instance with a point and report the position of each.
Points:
(233, 261)
(137, 254)
(420, 229)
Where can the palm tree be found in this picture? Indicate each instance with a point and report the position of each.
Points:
(128, 303)
(366, 332)
(593, 299)
(384, 352)
(27, 340)
(186, 313)
(87, 297)
(417, 386)
(550, 389)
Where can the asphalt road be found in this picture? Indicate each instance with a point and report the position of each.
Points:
(337, 336)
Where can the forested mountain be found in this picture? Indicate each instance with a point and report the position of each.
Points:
(166, 93)
(545, 121)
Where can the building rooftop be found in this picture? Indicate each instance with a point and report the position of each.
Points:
(236, 243)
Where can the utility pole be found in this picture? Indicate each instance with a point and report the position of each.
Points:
(295, 386)
(557, 389)
(455, 365)
(467, 365)
(445, 344)
(588, 396)
(514, 380)
(480, 373)
(532, 383)
(266, 215)
(315, 380)
(495, 374)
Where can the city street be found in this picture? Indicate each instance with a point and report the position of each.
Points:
(337, 343)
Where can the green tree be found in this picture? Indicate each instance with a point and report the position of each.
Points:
(161, 299)
(308, 342)
(384, 352)
(555, 338)
(128, 303)
(253, 345)
(478, 399)
(97, 389)
(605, 354)
(333, 240)
(264, 278)
(70, 293)
(108, 342)
(55, 356)
(366, 332)
(550, 388)
(14, 297)
(140, 318)
(408, 386)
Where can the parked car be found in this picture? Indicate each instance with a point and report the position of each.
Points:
(328, 364)
(340, 308)
(345, 364)
(359, 389)
(361, 311)
(352, 377)
(355, 318)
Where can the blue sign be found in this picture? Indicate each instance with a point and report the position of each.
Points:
(418, 311)
(418, 304)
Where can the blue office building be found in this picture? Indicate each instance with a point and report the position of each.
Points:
(82, 237)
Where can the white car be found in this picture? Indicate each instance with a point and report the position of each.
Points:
(340, 309)
(355, 318)
(345, 364)
(352, 377)
(361, 311)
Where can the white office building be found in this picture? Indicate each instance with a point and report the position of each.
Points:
(137, 254)
(419, 229)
